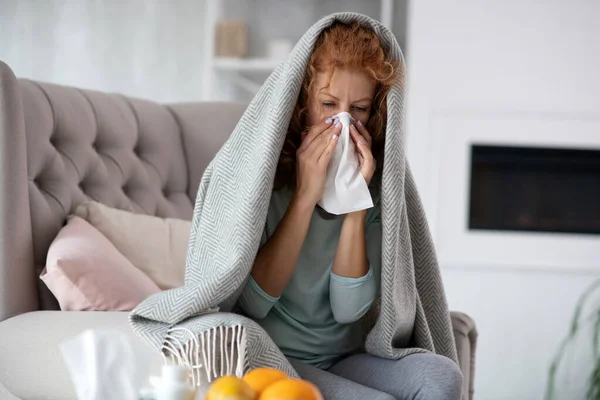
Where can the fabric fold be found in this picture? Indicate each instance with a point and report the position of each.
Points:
(411, 314)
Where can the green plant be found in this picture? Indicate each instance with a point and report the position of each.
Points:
(578, 323)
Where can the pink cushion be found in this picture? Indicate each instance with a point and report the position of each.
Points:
(85, 272)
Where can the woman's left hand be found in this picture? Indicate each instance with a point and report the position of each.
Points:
(363, 142)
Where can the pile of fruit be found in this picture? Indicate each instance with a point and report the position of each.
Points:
(262, 384)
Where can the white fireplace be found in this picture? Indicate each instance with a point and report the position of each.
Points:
(457, 244)
(507, 74)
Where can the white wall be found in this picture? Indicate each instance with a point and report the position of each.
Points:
(147, 48)
(504, 61)
(144, 48)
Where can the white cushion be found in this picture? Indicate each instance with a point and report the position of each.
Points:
(157, 246)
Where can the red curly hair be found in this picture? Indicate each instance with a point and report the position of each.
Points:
(345, 46)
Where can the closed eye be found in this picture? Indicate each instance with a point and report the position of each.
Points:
(360, 109)
(328, 104)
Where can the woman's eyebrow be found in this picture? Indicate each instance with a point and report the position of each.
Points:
(330, 95)
(356, 101)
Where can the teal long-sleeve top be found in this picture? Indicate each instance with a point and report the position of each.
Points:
(316, 319)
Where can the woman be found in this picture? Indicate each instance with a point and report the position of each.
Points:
(316, 275)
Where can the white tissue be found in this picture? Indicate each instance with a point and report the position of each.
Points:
(346, 190)
(104, 364)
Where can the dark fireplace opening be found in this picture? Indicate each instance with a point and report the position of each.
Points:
(535, 189)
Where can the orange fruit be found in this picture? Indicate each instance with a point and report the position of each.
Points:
(260, 378)
(291, 389)
(230, 388)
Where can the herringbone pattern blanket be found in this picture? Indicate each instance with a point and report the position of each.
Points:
(231, 207)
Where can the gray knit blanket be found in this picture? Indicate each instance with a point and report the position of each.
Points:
(196, 324)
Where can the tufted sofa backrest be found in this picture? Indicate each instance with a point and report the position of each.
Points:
(62, 146)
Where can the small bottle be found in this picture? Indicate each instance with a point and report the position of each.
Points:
(173, 384)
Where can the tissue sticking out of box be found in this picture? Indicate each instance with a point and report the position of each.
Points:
(104, 364)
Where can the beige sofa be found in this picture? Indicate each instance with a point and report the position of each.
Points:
(60, 146)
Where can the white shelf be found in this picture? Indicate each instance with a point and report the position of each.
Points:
(240, 71)
(246, 64)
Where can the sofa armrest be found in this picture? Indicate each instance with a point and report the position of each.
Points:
(18, 283)
(33, 366)
(465, 335)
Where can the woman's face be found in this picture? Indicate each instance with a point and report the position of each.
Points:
(350, 91)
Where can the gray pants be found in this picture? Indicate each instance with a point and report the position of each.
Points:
(363, 376)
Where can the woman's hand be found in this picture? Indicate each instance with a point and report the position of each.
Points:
(362, 140)
(313, 156)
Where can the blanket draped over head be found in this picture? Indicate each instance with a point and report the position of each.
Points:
(195, 325)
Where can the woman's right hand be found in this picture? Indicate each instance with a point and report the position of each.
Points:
(312, 159)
